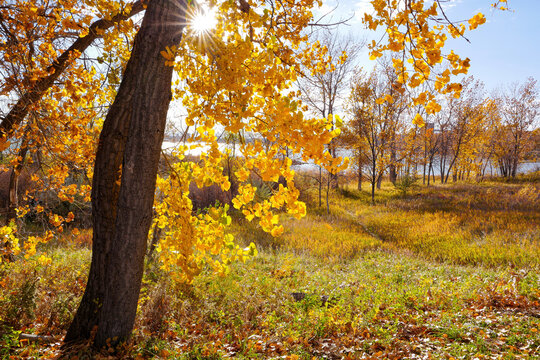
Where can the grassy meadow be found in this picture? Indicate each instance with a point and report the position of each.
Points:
(441, 272)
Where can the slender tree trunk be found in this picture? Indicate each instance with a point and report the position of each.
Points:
(451, 169)
(392, 169)
(13, 199)
(153, 244)
(359, 185)
(320, 186)
(129, 149)
(424, 160)
(334, 178)
(373, 177)
(431, 170)
(442, 170)
(373, 191)
(514, 162)
(328, 183)
(282, 180)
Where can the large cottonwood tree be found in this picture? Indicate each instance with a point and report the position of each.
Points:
(124, 180)
(236, 81)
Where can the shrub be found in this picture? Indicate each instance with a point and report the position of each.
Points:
(20, 305)
(405, 184)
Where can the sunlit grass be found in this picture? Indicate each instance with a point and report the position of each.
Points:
(492, 224)
(450, 271)
(382, 304)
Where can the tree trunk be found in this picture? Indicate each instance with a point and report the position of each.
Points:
(328, 182)
(153, 244)
(13, 198)
(373, 178)
(129, 149)
(359, 177)
(514, 166)
(442, 170)
(320, 186)
(392, 174)
(373, 192)
(393, 159)
(334, 178)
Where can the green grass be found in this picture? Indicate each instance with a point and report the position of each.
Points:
(437, 272)
(382, 303)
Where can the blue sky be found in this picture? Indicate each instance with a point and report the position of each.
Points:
(505, 49)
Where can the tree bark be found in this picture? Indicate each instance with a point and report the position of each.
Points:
(128, 150)
(373, 176)
(359, 176)
(13, 198)
(320, 186)
(392, 175)
(372, 192)
(153, 244)
(328, 182)
(515, 158)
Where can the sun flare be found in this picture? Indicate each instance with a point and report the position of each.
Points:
(204, 20)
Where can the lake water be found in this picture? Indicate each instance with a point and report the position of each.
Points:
(492, 170)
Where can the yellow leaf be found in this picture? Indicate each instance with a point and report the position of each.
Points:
(276, 231)
(418, 120)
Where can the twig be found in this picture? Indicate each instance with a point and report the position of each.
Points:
(37, 338)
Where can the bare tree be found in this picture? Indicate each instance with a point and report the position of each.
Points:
(461, 126)
(374, 119)
(323, 92)
(521, 106)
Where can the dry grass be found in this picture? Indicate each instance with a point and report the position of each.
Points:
(446, 271)
(493, 224)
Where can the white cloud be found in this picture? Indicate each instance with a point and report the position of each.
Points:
(449, 4)
(360, 8)
(324, 9)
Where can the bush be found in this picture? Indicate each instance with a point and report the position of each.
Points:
(20, 305)
(405, 184)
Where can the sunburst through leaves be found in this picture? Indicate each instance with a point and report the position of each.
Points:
(204, 20)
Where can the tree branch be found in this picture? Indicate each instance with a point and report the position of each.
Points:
(21, 108)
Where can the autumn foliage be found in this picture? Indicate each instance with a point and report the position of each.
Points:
(62, 63)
